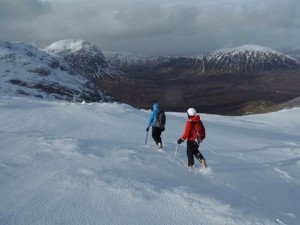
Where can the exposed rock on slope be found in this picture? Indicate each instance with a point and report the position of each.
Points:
(26, 70)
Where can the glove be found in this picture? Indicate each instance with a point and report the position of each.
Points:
(147, 129)
(162, 129)
(179, 141)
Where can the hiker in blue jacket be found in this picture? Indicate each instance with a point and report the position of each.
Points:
(157, 120)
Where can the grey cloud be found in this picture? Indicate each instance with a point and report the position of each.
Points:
(17, 17)
(155, 27)
(21, 10)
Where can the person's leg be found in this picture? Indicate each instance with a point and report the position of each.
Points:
(196, 151)
(190, 153)
(156, 132)
(198, 155)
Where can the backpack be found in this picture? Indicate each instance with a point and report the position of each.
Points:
(198, 131)
(161, 119)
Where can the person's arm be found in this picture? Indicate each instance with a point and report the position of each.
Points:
(186, 131)
(151, 118)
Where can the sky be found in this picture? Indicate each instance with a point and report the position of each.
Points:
(168, 27)
(72, 163)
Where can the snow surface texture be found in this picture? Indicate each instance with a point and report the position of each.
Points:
(68, 163)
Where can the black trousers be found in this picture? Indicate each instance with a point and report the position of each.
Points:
(191, 151)
(156, 134)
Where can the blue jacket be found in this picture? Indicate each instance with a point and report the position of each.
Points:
(152, 117)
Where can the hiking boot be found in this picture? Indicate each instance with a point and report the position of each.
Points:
(159, 146)
(190, 166)
(203, 162)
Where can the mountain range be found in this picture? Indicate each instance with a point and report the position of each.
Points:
(240, 80)
(243, 59)
(243, 80)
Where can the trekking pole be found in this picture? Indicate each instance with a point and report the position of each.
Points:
(176, 151)
(146, 138)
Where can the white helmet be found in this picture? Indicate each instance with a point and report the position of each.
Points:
(191, 112)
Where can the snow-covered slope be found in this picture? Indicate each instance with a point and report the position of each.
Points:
(249, 58)
(84, 58)
(77, 164)
(26, 70)
(293, 52)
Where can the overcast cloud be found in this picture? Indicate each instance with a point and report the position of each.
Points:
(153, 27)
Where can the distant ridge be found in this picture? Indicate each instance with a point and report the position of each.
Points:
(243, 59)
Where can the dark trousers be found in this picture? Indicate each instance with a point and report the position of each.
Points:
(191, 151)
(156, 133)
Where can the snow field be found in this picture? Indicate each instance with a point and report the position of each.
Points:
(63, 163)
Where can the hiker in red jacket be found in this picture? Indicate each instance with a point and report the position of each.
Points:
(194, 133)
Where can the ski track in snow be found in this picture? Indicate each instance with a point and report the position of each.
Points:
(74, 164)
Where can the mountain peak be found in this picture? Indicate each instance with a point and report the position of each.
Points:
(249, 58)
(71, 45)
(84, 57)
(246, 48)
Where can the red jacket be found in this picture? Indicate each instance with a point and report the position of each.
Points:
(190, 133)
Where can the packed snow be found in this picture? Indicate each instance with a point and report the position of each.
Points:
(69, 163)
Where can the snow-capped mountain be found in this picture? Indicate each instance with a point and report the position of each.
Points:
(85, 58)
(76, 70)
(243, 59)
(225, 81)
(26, 70)
(248, 59)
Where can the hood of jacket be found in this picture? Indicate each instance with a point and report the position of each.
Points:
(155, 107)
(194, 118)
